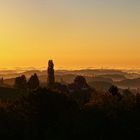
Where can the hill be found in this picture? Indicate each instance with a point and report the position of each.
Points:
(100, 85)
(129, 83)
(114, 77)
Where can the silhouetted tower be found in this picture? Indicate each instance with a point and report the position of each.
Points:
(51, 77)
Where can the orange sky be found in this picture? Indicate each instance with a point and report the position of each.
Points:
(76, 34)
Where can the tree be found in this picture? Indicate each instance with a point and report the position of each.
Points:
(81, 92)
(21, 82)
(33, 82)
(80, 82)
(114, 90)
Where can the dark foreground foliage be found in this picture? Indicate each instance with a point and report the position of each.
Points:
(47, 115)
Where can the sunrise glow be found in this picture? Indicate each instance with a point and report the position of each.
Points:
(74, 33)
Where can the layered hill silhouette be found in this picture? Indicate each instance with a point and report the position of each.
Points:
(62, 104)
(129, 83)
(101, 77)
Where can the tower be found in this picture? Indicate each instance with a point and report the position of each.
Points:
(51, 77)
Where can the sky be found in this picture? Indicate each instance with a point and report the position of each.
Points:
(74, 33)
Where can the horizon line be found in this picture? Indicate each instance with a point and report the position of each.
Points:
(66, 68)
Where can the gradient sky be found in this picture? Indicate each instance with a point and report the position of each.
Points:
(74, 33)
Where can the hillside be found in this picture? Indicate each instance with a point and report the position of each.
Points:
(8, 93)
(129, 83)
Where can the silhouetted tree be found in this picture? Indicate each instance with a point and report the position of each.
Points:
(80, 82)
(51, 77)
(33, 82)
(114, 90)
(79, 90)
(21, 82)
